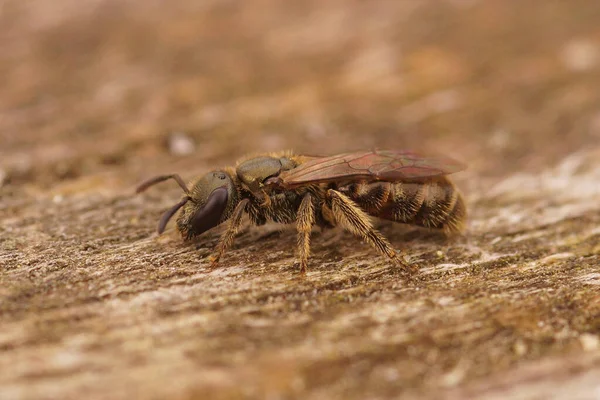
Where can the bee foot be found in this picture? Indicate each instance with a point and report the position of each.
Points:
(214, 262)
(300, 267)
(403, 261)
(303, 269)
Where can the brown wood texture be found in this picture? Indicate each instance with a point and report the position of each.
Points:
(97, 96)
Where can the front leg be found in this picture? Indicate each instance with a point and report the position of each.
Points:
(354, 219)
(304, 223)
(235, 222)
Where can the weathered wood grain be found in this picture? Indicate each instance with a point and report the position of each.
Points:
(97, 96)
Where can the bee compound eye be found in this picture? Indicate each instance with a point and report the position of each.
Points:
(210, 214)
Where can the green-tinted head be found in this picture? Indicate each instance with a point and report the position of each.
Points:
(209, 202)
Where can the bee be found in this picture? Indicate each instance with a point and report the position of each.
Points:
(341, 190)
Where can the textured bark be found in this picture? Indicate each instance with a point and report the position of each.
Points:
(97, 96)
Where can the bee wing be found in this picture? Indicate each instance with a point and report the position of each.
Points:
(375, 165)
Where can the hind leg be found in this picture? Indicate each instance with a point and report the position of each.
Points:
(355, 220)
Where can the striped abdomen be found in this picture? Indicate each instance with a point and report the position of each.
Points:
(433, 204)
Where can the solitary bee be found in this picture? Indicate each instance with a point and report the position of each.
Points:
(344, 189)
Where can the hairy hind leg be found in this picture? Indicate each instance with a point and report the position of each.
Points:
(304, 223)
(235, 222)
(354, 219)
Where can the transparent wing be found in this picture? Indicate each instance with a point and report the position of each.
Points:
(374, 165)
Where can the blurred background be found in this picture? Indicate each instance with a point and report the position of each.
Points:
(131, 86)
(96, 95)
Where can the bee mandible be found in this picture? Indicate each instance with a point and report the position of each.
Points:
(341, 190)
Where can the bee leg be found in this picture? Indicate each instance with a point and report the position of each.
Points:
(265, 198)
(304, 223)
(354, 219)
(235, 222)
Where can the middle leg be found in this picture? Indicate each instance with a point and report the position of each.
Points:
(305, 221)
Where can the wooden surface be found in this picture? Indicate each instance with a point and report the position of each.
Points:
(98, 95)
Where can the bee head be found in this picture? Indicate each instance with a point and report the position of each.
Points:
(208, 203)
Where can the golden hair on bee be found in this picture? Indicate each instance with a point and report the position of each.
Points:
(345, 190)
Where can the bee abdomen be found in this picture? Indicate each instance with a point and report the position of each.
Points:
(442, 208)
(371, 197)
(435, 204)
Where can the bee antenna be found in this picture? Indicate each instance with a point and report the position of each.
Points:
(169, 213)
(157, 179)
